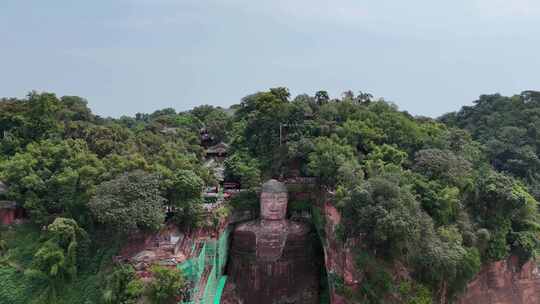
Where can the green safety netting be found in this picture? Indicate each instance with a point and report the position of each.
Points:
(211, 259)
(223, 249)
(210, 288)
(219, 291)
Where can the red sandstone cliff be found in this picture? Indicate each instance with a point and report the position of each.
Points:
(338, 257)
(504, 282)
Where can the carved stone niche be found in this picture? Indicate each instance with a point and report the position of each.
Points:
(272, 259)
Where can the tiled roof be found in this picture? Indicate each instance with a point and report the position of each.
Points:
(8, 205)
(219, 148)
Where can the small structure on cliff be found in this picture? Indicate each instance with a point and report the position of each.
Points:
(10, 211)
(220, 150)
(169, 131)
(206, 139)
(271, 259)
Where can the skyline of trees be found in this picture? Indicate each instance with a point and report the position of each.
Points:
(440, 196)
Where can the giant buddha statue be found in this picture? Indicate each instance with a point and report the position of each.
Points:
(272, 259)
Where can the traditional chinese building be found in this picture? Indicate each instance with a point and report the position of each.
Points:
(9, 210)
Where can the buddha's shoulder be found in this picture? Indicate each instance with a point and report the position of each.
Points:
(298, 228)
(247, 227)
(244, 239)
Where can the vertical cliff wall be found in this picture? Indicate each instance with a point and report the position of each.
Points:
(504, 282)
(338, 257)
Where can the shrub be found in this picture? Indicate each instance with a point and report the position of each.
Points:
(122, 286)
(166, 286)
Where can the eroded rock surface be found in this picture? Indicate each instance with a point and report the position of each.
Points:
(339, 257)
(504, 282)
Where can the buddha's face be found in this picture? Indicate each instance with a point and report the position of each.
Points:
(273, 205)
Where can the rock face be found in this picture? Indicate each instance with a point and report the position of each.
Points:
(504, 282)
(339, 258)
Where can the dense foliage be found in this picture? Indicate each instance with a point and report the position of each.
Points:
(418, 192)
(167, 285)
(122, 286)
(55, 153)
(83, 179)
(56, 260)
(438, 197)
(509, 129)
(129, 202)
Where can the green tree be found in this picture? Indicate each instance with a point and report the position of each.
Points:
(129, 202)
(362, 135)
(3, 247)
(262, 114)
(510, 130)
(440, 200)
(442, 261)
(166, 286)
(216, 120)
(384, 158)
(505, 208)
(122, 286)
(185, 194)
(53, 178)
(75, 109)
(242, 168)
(443, 165)
(42, 115)
(55, 262)
(187, 186)
(386, 214)
(329, 155)
(322, 97)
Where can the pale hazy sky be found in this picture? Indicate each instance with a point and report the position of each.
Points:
(127, 56)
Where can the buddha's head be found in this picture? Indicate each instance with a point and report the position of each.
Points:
(273, 200)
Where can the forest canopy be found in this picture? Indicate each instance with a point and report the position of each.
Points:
(440, 196)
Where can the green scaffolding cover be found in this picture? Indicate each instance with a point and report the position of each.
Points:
(219, 291)
(210, 288)
(212, 254)
(223, 248)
